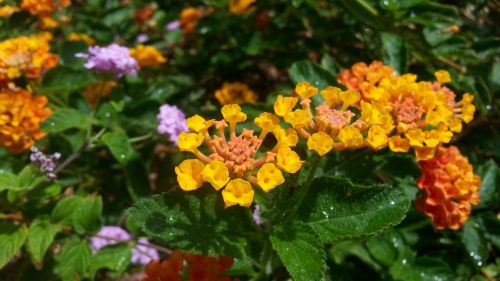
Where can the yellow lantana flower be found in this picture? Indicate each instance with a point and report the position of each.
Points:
(189, 141)
(189, 174)
(298, 118)
(399, 144)
(351, 137)
(269, 177)
(288, 160)
(216, 173)
(238, 192)
(286, 137)
(442, 76)
(283, 105)
(232, 113)
(147, 56)
(377, 137)
(305, 90)
(332, 95)
(320, 142)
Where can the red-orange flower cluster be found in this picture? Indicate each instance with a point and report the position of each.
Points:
(450, 188)
(199, 268)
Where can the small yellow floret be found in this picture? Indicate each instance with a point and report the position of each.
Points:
(232, 113)
(288, 160)
(189, 141)
(320, 142)
(269, 177)
(442, 76)
(216, 173)
(189, 174)
(238, 192)
(305, 90)
(283, 105)
(351, 137)
(299, 118)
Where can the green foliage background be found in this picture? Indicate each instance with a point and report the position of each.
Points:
(357, 220)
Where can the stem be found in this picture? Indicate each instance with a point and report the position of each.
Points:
(305, 188)
(140, 138)
(77, 153)
(150, 245)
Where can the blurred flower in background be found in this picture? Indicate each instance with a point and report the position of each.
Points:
(171, 122)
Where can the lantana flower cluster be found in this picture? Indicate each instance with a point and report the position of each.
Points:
(378, 109)
(21, 114)
(25, 55)
(235, 161)
(237, 93)
(44, 9)
(198, 267)
(450, 188)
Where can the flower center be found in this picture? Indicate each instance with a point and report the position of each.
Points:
(407, 111)
(334, 119)
(238, 153)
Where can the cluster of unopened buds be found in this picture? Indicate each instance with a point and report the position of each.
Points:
(234, 161)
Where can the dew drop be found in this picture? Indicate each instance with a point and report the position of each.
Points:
(404, 261)
(392, 202)
(107, 114)
(122, 156)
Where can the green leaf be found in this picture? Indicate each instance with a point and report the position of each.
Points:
(87, 215)
(74, 260)
(300, 251)
(491, 227)
(84, 214)
(8, 181)
(474, 242)
(488, 192)
(65, 80)
(115, 257)
(337, 209)
(311, 72)
(12, 238)
(424, 269)
(394, 51)
(118, 144)
(64, 210)
(382, 250)
(40, 237)
(195, 222)
(28, 178)
(65, 118)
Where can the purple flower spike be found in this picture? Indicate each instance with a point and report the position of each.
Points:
(171, 122)
(113, 59)
(44, 162)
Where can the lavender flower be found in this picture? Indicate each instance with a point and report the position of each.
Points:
(113, 59)
(173, 25)
(171, 122)
(108, 235)
(115, 233)
(143, 37)
(256, 215)
(142, 254)
(44, 162)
